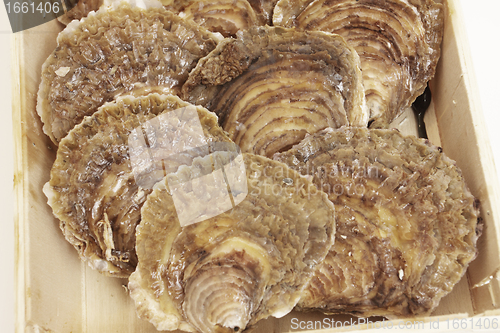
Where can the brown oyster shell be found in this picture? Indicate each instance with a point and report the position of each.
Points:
(398, 42)
(224, 16)
(272, 86)
(93, 189)
(80, 10)
(227, 272)
(264, 10)
(406, 222)
(110, 53)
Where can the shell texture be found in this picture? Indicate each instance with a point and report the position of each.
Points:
(112, 52)
(247, 263)
(81, 9)
(272, 86)
(94, 187)
(398, 42)
(407, 225)
(224, 16)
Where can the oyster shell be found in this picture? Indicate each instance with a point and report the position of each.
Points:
(250, 262)
(80, 10)
(110, 53)
(406, 222)
(272, 86)
(398, 42)
(264, 10)
(224, 16)
(94, 186)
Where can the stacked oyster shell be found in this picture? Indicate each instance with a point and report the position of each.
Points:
(271, 87)
(117, 50)
(229, 271)
(94, 188)
(406, 222)
(398, 42)
(175, 196)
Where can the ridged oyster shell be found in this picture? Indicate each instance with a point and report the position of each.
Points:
(398, 42)
(113, 51)
(272, 86)
(93, 189)
(224, 16)
(81, 9)
(264, 10)
(245, 264)
(407, 225)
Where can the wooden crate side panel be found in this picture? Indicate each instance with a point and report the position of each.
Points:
(109, 307)
(51, 276)
(465, 140)
(21, 201)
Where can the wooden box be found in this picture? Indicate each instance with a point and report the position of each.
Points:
(56, 292)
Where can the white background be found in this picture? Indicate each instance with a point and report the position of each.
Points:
(482, 20)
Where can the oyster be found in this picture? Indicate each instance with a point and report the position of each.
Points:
(94, 186)
(247, 263)
(407, 225)
(224, 16)
(272, 86)
(264, 10)
(110, 53)
(398, 42)
(80, 10)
